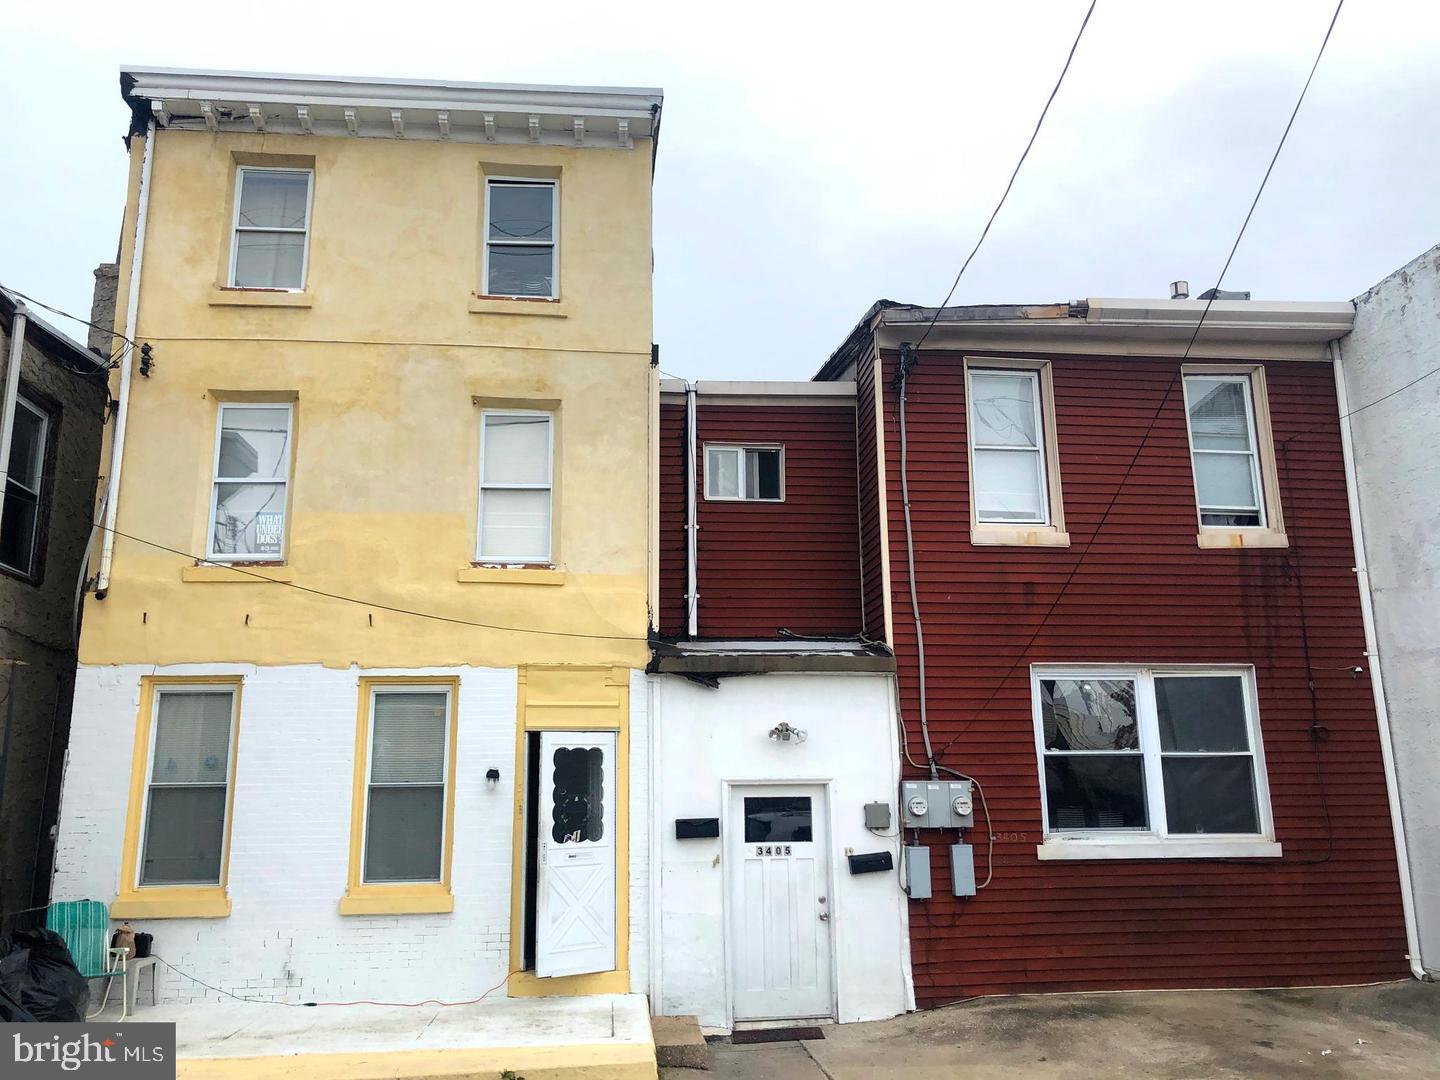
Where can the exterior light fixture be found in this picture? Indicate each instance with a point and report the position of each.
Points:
(783, 732)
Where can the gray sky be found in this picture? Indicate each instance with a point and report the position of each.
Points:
(814, 159)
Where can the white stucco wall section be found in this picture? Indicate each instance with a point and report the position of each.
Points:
(290, 841)
(1397, 455)
(705, 738)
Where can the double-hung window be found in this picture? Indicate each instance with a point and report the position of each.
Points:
(1150, 762)
(1014, 471)
(1232, 456)
(745, 473)
(521, 230)
(187, 785)
(271, 241)
(251, 482)
(408, 758)
(24, 483)
(516, 487)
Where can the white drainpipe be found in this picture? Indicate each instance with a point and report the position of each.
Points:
(692, 588)
(122, 411)
(12, 391)
(1377, 682)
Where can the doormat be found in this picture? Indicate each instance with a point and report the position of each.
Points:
(765, 1035)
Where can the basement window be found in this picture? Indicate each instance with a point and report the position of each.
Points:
(1150, 763)
(744, 473)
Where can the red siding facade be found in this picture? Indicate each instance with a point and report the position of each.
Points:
(765, 565)
(1329, 911)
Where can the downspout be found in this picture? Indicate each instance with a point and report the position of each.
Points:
(692, 588)
(122, 411)
(12, 391)
(1377, 681)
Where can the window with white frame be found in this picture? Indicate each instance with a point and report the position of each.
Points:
(24, 483)
(408, 766)
(520, 238)
(270, 248)
(1160, 753)
(187, 785)
(516, 487)
(1008, 472)
(745, 473)
(1224, 450)
(249, 492)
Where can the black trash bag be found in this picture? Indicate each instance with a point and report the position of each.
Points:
(39, 979)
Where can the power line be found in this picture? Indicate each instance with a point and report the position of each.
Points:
(129, 344)
(369, 603)
(1164, 399)
(1006, 194)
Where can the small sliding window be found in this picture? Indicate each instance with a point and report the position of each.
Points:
(745, 473)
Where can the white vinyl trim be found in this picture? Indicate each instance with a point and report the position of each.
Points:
(553, 243)
(1183, 844)
(236, 228)
(187, 688)
(408, 688)
(281, 478)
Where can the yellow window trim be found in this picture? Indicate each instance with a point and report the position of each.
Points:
(172, 901)
(600, 699)
(511, 575)
(405, 898)
(1002, 534)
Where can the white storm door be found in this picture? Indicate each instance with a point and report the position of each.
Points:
(780, 902)
(575, 906)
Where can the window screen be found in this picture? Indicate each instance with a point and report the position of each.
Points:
(187, 785)
(272, 220)
(405, 807)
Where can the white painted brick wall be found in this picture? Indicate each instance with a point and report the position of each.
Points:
(290, 841)
(639, 834)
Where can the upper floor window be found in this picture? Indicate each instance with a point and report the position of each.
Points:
(249, 492)
(516, 487)
(1232, 454)
(1014, 467)
(270, 247)
(749, 473)
(520, 238)
(20, 525)
(1139, 754)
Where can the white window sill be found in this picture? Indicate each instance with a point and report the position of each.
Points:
(1241, 538)
(234, 296)
(1019, 535)
(1149, 847)
(509, 305)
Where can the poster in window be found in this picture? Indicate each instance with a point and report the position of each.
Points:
(269, 532)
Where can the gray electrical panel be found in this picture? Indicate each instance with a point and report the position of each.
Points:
(917, 871)
(937, 804)
(962, 869)
(877, 815)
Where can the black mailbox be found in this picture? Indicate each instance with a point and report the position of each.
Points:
(697, 828)
(871, 862)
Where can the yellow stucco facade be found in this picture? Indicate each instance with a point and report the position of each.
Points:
(387, 357)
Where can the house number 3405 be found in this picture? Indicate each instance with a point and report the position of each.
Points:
(772, 849)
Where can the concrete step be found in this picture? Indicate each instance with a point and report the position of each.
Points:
(678, 1043)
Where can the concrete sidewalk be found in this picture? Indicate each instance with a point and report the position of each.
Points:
(1380, 1031)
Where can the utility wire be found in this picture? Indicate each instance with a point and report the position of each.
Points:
(1164, 400)
(129, 344)
(1006, 194)
(370, 603)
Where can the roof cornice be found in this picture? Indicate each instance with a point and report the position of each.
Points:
(588, 116)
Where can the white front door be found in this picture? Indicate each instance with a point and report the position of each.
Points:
(779, 902)
(575, 905)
